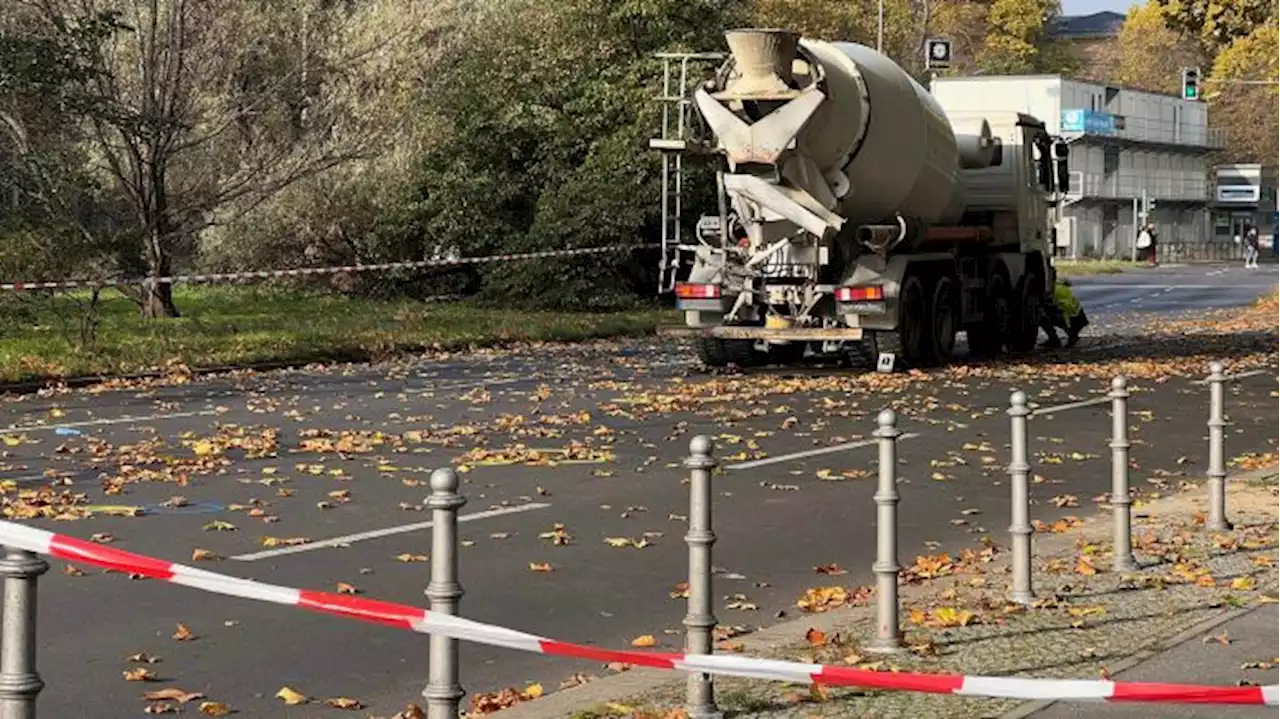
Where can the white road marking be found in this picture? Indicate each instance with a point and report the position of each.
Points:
(1127, 286)
(1240, 375)
(812, 452)
(112, 420)
(466, 385)
(387, 532)
(1070, 405)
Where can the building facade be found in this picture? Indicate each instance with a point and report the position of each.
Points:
(1125, 145)
(1244, 195)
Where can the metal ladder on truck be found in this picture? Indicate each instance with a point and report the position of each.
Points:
(674, 142)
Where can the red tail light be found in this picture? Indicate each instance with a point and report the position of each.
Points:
(689, 291)
(859, 294)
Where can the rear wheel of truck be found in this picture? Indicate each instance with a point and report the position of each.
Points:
(1024, 324)
(717, 352)
(987, 337)
(914, 326)
(942, 322)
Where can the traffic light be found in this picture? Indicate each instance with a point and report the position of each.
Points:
(1190, 83)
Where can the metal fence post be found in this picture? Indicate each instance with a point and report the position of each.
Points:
(888, 636)
(700, 701)
(1020, 499)
(443, 692)
(1122, 541)
(19, 681)
(1217, 451)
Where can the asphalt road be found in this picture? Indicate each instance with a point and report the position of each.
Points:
(227, 445)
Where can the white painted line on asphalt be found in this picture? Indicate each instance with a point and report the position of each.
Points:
(466, 385)
(1126, 286)
(1240, 375)
(110, 420)
(1070, 405)
(812, 453)
(389, 531)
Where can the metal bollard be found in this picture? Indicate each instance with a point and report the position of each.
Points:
(1122, 541)
(1217, 451)
(700, 701)
(19, 681)
(443, 692)
(888, 638)
(1020, 499)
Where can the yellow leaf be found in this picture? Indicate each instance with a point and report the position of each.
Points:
(1085, 567)
(1086, 611)
(406, 557)
(289, 696)
(12, 440)
(617, 541)
(198, 555)
(214, 709)
(172, 694)
(540, 567)
(139, 674)
(644, 641)
(203, 448)
(533, 691)
(1242, 583)
(344, 703)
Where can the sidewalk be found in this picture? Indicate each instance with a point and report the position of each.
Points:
(1087, 623)
(1218, 656)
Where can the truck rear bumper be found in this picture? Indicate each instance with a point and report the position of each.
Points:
(797, 334)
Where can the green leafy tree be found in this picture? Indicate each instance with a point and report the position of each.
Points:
(1248, 111)
(549, 107)
(1150, 55)
(1017, 41)
(1217, 23)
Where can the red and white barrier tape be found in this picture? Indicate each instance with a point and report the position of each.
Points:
(419, 620)
(212, 278)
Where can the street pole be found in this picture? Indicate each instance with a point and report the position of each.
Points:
(443, 692)
(1020, 499)
(888, 638)
(700, 622)
(1123, 560)
(1217, 450)
(880, 27)
(1133, 241)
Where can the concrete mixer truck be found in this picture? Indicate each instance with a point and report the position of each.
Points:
(857, 217)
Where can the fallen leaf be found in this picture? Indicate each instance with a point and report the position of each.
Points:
(219, 526)
(533, 691)
(644, 641)
(159, 708)
(540, 567)
(815, 637)
(139, 674)
(182, 634)
(172, 694)
(1243, 583)
(831, 570)
(1204, 580)
(406, 557)
(214, 709)
(1084, 566)
(344, 703)
(344, 588)
(199, 555)
(291, 697)
(72, 570)
(142, 658)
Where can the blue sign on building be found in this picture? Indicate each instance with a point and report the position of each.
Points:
(1088, 121)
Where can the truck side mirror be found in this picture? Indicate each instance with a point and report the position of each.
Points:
(1059, 153)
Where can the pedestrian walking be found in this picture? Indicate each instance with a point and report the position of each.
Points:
(1251, 246)
(1148, 238)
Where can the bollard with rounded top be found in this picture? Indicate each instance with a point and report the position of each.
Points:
(888, 638)
(700, 622)
(1217, 451)
(1122, 542)
(1020, 499)
(19, 681)
(443, 692)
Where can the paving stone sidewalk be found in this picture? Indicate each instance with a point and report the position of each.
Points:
(1086, 618)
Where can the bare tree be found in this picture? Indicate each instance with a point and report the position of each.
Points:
(200, 110)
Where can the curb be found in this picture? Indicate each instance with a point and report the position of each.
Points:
(567, 702)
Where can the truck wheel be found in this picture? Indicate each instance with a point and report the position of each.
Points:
(742, 353)
(914, 327)
(711, 352)
(942, 322)
(1024, 325)
(987, 337)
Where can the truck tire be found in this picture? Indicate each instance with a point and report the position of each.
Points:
(942, 322)
(914, 327)
(1024, 321)
(986, 338)
(711, 351)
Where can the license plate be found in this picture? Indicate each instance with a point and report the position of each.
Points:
(864, 308)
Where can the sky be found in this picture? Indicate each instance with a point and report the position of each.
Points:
(1087, 7)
